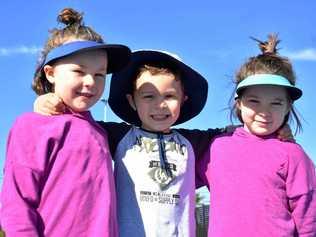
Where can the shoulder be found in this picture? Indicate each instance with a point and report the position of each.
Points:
(33, 125)
(31, 117)
(29, 120)
(197, 134)
(295, 151)
(115, 133)
(113, 126)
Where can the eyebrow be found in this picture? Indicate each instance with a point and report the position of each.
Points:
(102, 68)
(257, 97)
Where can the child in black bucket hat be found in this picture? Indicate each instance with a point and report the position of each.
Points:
(154, 164)
(194, 85)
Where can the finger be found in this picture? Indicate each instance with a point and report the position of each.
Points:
(61, 107)
(50, 108)
(45, 111)
(54, 99)
(57, 103)
(288, 138)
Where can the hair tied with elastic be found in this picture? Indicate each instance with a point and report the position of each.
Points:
(69, 16)
(269, 46)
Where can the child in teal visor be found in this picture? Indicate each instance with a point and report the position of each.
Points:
(259, 185)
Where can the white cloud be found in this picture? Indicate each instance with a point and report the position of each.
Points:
(304, 54)
(19, 50)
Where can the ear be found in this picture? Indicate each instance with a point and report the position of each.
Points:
(185, 98)
(289, 107)
(131, 101)
(49, 73)
(238, 103)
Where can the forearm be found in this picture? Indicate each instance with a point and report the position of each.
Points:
(304, 214)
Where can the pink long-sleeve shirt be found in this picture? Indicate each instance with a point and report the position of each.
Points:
(58, 178)
(259, 187)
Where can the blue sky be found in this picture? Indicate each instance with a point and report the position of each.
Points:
(210, 36)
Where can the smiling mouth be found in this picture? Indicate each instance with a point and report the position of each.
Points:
(264, 123)
(160, 117)
(88, 95)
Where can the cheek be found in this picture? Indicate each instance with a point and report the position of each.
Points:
(280, 114)
(141, 106)
(59, 87)
(175, 106)
(246, 112)
(101, 86)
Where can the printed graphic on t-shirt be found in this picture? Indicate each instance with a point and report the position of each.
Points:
(150, 145)
(159, 197)
(156, 173)
(159, 175)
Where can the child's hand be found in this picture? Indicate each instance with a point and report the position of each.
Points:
(49, 104)
(285, 134)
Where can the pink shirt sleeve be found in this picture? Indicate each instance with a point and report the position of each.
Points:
(20, 195)
(19, 200)
(301, 186)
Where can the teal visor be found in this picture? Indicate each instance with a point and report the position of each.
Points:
(269, 79)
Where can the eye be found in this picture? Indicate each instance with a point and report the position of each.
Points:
(148, 97)
(254, 101)
(78, 71)
(170, 96)
(277, 103)
(100, 75)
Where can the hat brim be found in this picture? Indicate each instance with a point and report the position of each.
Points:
(118, 55)
(269, 80)
(195, 86)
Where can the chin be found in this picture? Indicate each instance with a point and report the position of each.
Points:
(79, 109)
(262, 132)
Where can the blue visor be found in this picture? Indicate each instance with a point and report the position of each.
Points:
(269, 79)
(118, 55)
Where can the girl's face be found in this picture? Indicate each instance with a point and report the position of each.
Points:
(79, 79)
(263, 108)
(157, 100)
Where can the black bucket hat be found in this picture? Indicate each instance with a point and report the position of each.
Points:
(195, 85)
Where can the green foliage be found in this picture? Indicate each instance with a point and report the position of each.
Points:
(198, 199)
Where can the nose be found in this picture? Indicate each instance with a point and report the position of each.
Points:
(162, 103)
(89, 80)
(265, 111)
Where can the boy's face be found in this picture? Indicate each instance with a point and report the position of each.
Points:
(157, 100)
(79, 79)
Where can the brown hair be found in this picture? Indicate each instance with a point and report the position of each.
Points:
(154, 70)
(268, 62)
(74, 29)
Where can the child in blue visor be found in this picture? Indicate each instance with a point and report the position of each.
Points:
(58, 178)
